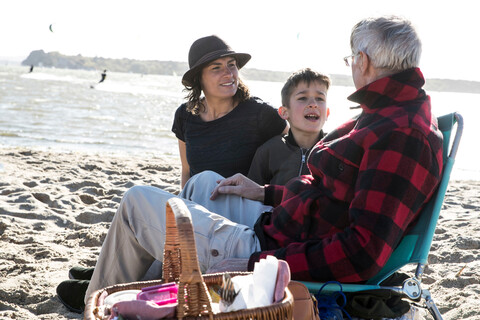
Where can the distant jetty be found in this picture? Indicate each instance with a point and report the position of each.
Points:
(58, 60)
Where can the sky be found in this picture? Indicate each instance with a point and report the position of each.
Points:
(280, 35)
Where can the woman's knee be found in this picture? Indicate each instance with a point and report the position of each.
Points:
(134, 193)
(144, 197)
(207, 177)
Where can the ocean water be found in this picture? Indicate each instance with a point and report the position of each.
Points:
(67, 110)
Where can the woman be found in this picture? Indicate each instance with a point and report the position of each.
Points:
(221, 130)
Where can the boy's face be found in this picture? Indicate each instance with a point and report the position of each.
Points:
(307, 112)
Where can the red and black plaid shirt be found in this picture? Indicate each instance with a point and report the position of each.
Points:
(370, 178)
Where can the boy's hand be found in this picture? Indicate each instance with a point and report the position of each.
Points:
(240, 185)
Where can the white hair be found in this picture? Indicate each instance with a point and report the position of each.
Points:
(390, 42)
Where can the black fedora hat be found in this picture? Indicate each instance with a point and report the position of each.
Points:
(207, 49)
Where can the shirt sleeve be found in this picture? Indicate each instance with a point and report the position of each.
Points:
(259, 171)
(271, 122)
(273, 195)
(398, 174)
(178, 127)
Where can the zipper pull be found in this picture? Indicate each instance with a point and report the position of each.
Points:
(303, 161)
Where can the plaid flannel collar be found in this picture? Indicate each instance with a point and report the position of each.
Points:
(402, 86)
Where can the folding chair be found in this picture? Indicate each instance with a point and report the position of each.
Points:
(415, 246)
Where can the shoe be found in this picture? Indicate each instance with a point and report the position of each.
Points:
(72, 294)
(80, 273)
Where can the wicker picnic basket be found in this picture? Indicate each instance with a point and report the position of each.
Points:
(180, 264)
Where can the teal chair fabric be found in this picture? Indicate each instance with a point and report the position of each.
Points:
(415, 246)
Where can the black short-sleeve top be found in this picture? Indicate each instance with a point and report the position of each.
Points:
(227, 145)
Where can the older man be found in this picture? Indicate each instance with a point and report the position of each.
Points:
(370, 178)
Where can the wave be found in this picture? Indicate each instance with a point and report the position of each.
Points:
(9, 134)
(136, 90)
(52, 77)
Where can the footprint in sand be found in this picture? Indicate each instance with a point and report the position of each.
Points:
(117, 192)
(457, 282)
(75, 186)
(9, 191)
(470, 206)
(39, 252)
(30, 184)
(87, 199)
(94, 191)
(465, 243)
(89, 191)
(91, 237)
(42, 197)
(124, 184)
(90, 167)
(27, 207)
(39, 226)
(3, 227)
(152, 168)
(90, 217)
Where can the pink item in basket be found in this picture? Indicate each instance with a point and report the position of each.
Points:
(162, 294)
(139, 309)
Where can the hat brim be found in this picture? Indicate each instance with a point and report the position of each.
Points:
(241, 58)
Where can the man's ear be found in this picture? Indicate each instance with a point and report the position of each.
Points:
(328, 112)
(363, 61)
(283, 112)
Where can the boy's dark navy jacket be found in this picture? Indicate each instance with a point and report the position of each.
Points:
(279, 160)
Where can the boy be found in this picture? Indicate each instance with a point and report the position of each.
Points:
(304, 106)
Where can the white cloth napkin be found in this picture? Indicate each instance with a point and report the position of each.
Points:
(257, 289)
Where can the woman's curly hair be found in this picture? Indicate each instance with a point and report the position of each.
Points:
(195, 102)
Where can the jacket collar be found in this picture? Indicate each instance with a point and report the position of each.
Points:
(291, 140)
(402, 86)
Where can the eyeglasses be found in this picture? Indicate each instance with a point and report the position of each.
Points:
(347, 58)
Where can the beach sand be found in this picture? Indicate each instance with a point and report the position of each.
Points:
(55, 210)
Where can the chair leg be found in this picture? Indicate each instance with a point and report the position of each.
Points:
(432, 308)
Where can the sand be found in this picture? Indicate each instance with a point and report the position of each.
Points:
(55, 210)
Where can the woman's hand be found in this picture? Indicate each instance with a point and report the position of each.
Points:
(240, 185)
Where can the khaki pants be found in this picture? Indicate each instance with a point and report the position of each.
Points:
(137, 234)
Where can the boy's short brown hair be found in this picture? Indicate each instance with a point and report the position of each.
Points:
(304, 75)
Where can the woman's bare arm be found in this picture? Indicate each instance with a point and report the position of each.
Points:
(185, 166)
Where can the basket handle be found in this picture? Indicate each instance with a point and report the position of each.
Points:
(181, 264)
